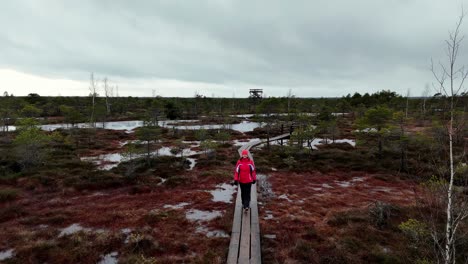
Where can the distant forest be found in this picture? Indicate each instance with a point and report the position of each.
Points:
(79, 109)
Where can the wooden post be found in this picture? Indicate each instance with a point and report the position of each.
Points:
(282, 132)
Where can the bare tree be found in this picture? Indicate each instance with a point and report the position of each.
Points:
(425, 95)
(450, 80)
(290, 95)
(93, 93)
(408, 92)
(109, 92)
(6, 111)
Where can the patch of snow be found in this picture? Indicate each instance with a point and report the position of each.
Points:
(314, 143)
(211, 233)
(100, 230)
(366, 130)
(198, 215)
(274, 169)
(193, 144)
(163, 180)
(343, 184)
(110, 258)
(325, 185)
(125, 231)
(193, 162)
(105, 161)
(268, 217)
(6, 254)
(270, 236)
(223, 193)
(137, 142)
(74, 228)
(177, 206)
(357, 179)
(352, 142)
(383, 189)
(166, 151)
(285, 197)
(244, 116)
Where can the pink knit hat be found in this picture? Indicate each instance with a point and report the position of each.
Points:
(245, 152)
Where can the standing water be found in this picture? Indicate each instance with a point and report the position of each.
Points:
(223, 193)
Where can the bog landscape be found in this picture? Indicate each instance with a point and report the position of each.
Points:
(360, 179)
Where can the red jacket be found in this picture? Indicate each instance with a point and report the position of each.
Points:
(245, 171)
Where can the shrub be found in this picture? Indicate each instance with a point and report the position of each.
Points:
(304, 251)
(94, 181)
(154, 216)
(290, 161)
(343, 218)
(176, 181)
(40, 251)
(141, 243)
(416, 231)
(138, 259)
(384, 258)
(8, 195)
(423, 261)
(352, 244)
(380, 214)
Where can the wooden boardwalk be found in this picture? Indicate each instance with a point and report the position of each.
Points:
(245, 236)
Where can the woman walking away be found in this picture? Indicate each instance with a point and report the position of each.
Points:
(245, 175)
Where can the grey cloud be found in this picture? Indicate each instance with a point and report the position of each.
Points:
(305, 45)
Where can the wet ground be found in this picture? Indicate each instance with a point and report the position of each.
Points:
(199, 214)
(290, 203)
(191, 215)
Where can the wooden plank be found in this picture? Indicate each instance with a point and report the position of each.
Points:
(233, 249)
(255, 143)
(244, 248)
(236, 229)
(236, 224)
(255, 248)
(253, 202)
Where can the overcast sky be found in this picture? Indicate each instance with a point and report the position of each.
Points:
(223, 48)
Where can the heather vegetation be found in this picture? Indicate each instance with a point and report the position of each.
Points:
(361, 179)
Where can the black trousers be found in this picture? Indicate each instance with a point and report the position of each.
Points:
(245, 193)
